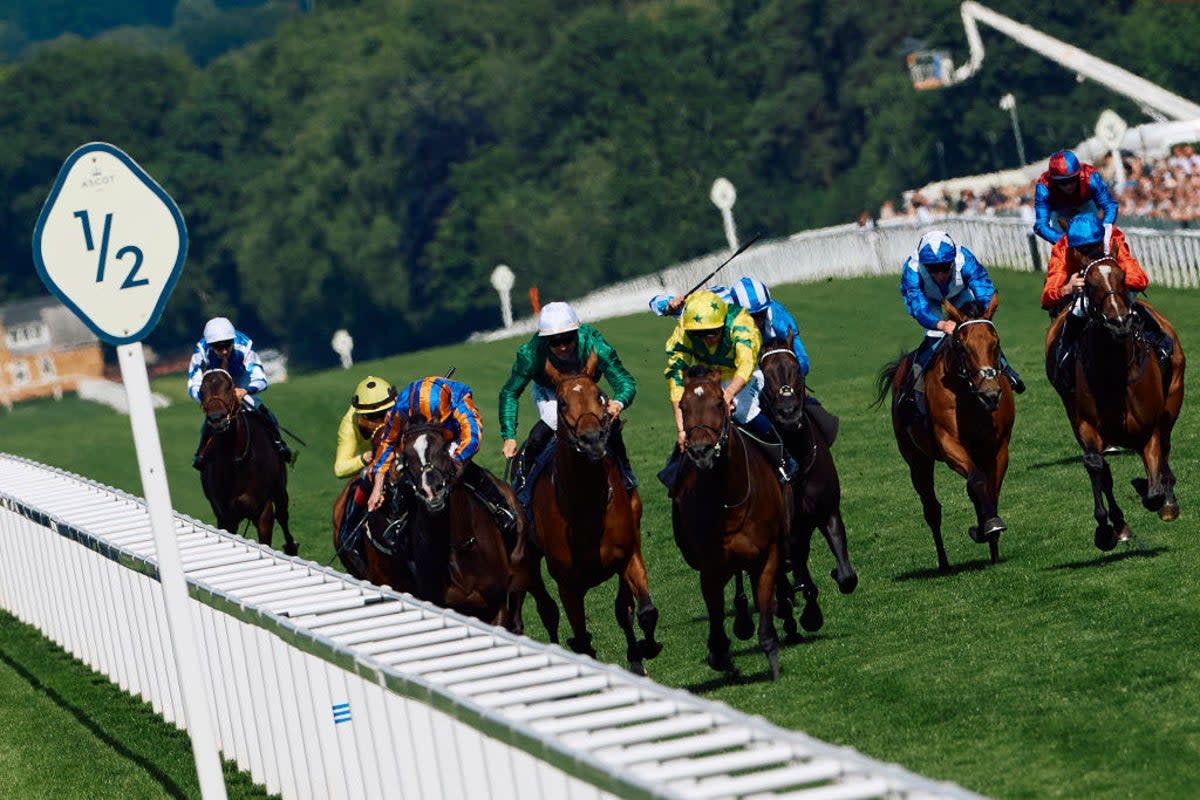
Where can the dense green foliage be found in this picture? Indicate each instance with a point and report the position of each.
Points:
(369, 164)
(1059, 672)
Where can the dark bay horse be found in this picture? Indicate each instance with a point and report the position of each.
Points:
(586, 522)
(1121, 395)
(728, 512)
(970, 419)
(815, 485)
(243, 476)
(435, 539)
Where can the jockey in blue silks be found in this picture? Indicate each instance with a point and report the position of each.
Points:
(1065, 190)
(937, 272)
(224, 347)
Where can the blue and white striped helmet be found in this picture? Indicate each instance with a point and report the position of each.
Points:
(936, 247)
(752, 295)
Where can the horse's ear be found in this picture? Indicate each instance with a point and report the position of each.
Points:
(553, 374)
(714, 375)
(791, 339)
(991, 306)
(953, 313)
(592, 363)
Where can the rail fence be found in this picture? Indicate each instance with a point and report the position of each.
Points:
(1171, 259)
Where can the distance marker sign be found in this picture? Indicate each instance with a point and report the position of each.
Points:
(110, 243)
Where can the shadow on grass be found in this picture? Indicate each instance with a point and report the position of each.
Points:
(170, 788)
(933, 573)
(1112, 558)
(735, 678)
(1078, 459)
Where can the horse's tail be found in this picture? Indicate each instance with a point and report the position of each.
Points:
(887, 375)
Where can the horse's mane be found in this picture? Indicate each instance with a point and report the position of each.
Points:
(696, 371)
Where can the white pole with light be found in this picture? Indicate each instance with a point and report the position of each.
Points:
(1009, 104)
(723, 196)
(110, 244)
(503, 280)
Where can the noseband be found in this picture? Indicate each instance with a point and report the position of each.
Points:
(722, 435)
(229, 406)
(1095, 311)
(605, 421)
(786, 390)
(973, 379)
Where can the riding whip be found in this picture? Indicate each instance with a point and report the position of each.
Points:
(704, 281)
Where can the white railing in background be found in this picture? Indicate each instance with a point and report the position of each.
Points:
(1171, 259)
(326, 687)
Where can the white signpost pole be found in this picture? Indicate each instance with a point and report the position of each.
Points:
(110, 244)
(723, 196)
(502, 281)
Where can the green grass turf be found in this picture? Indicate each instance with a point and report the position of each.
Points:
(1060, 672)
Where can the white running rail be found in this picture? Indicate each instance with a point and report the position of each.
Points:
(326, 687)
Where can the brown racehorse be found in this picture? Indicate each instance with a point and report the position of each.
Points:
(728, 513)
(816, 487)
(970, 420)
(243, 476)
(451, 552)
(1121, 395)
(587, 524)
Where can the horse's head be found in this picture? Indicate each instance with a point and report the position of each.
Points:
(1106, 296)
(218, 399)
(583, 417)
(783, 383)
(706, 420)
(974, 354)
(426, 462)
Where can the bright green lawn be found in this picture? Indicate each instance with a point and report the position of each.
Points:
(1062, 671)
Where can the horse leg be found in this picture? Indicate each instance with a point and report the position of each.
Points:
(647, 612)
(743, 623)
(712, 586)
(834, 531)
(764, 596)
(290, 545)
(784, 606)
(988, 524)
(547, 609)
(1110, 523)
(623, 607)
(572, 600)
(811, 617)
(920, 472)
(1158, 494)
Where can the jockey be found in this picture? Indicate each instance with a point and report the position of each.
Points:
(769, 315)
(369, 405)
(1084, 243)
(722, 336)
(1067, 189)
(450, 404)
(223, 347)
(567, 344)
(937, 272)
(666, 305)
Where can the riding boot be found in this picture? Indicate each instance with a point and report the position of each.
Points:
(480, 484)
(1153, 333)
(531, 461)
(762, 428)
(285, 452)
(198, 458)
(616, 446)
(350, 536)
(670, 472)
(1064, 354)
(1014, 380)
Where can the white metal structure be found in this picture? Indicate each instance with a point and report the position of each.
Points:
(933, 69)
(326, 687)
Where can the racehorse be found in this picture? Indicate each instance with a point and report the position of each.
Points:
(243, 476)
(970, 420)
(587, 523)
(450, 550)
(1121, 395)
(728, 513)
(815, 485)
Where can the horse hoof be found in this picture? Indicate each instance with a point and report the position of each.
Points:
(993, 528)
(637, 668)
(721, 663)
(649, 649)
(976, 536)
(811, 618)
(1106, 537)
(1125, 534)
(1169, 512)
(743, 625)
(847, 583)
(291, 548)
(581, 645)
(773, 658)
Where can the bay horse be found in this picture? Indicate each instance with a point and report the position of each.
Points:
(1121, 395)
(243, 477)
(728, 513)
(816, 488)
(970, 419)
(587, 523)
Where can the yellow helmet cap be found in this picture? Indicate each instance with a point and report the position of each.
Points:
(703, 310)
(372, 394)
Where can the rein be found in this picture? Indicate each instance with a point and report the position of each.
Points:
(983, 373)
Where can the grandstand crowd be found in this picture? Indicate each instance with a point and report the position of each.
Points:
(1159, 192)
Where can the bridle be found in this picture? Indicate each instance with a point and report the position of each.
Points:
(722, 435)
(1095, 310)
(229, 405)
(427, 472)
(974, 378)
(786, 390)
(603, 419)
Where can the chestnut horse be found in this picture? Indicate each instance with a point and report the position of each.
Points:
(1121, 395)
(817, 490)
(448, 549)
(970, 419)
(243, 476)
(586, 522)
(728, 512)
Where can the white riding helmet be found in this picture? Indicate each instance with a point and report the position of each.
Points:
(557, 318)
(219, 329)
